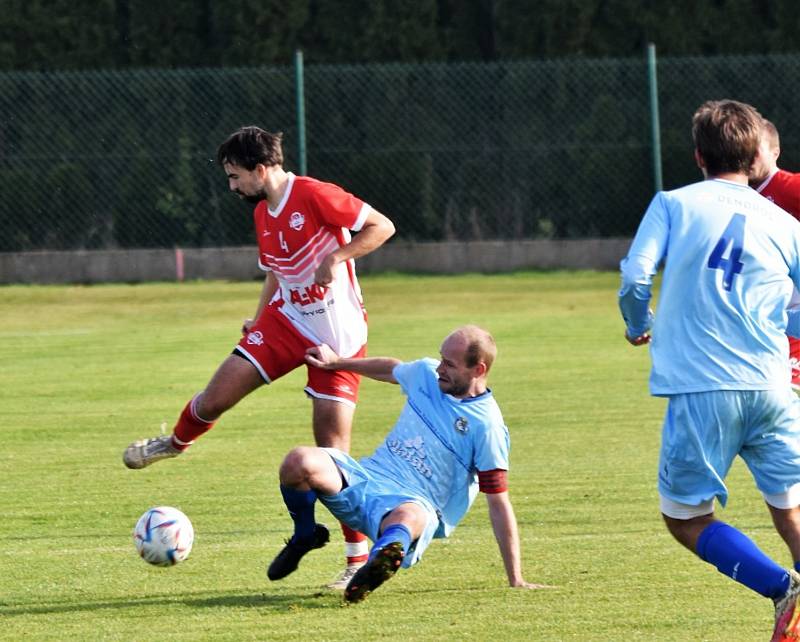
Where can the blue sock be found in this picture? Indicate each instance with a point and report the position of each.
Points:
(737, 556)
(392, 533)
(301, 507)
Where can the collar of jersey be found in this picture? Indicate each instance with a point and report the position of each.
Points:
(767, 180)
(486, 393)
(277, 211)
(727, 182)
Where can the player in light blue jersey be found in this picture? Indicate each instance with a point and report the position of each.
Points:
(449, 442)
(719, 352)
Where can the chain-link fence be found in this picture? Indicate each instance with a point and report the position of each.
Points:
(550, 149)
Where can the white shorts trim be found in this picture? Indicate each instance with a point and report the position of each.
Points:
(253, 360)
(788, 499)
(676, 510)
(318, 395)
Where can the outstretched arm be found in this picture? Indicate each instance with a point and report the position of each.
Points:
(504, 524)
(379, 368)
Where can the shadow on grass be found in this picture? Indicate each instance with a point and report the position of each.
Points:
(277, 603)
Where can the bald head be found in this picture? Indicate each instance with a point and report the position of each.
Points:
(467, 354)
(477, 345)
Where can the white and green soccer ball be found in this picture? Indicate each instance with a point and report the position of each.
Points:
(163, 536)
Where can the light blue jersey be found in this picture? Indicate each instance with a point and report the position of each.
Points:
(732, 260)
(439, 443)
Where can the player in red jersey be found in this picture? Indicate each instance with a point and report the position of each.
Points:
(783, 188)
(310, 296)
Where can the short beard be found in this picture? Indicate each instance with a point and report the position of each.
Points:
(455, 389)
(253, 198)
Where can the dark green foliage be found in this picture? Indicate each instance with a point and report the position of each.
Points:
(91, 34)
(548, 149)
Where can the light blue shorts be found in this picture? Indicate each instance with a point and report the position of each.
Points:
(367, 499)
(704, 431)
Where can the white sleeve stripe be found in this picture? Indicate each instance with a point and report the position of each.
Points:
(366, 208)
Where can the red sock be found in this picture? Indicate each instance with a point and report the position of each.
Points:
(190, 426)
(356, 547)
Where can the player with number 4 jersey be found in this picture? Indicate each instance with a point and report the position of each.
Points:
(720, 355)
(730, 260)
(312, 220)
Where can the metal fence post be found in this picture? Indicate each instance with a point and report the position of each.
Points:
(655, 129)
(299, 81)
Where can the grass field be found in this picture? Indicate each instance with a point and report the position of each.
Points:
(85, 370)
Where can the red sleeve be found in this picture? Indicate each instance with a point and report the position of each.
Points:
(492, 482)
(337, 207)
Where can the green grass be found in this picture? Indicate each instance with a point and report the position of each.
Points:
(85, 370)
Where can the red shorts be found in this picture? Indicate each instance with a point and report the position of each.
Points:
(275, 348)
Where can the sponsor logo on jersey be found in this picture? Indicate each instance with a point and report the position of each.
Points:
(296, 221)
(255, 338)
(461, 425)
(307, 295)
(413, 451)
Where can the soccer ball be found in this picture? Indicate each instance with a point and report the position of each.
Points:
(163, 536)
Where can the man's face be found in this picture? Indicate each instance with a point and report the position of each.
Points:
(248, 184)
(455, 378)
(765, 161)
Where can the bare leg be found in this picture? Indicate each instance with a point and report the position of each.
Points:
(307, 468)
(787, 523)
(332, 422)
(234, 379)
(410, 515)
(687, 531)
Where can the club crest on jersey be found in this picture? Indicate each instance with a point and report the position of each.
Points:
(296, 221)
(255, 338)
(461, 424)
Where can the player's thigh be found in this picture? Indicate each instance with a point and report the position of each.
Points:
(364, 503)
(273, 346)
(313, 466)
(772, 445)
(701, 436)
(332, 423)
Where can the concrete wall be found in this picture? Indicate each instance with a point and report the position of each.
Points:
(239, 263)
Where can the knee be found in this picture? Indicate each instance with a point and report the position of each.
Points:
(296, 466)
(676, 527)
(687, 531)
(210, 406)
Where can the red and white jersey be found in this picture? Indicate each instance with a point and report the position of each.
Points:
(311, 221)
(783, 189)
